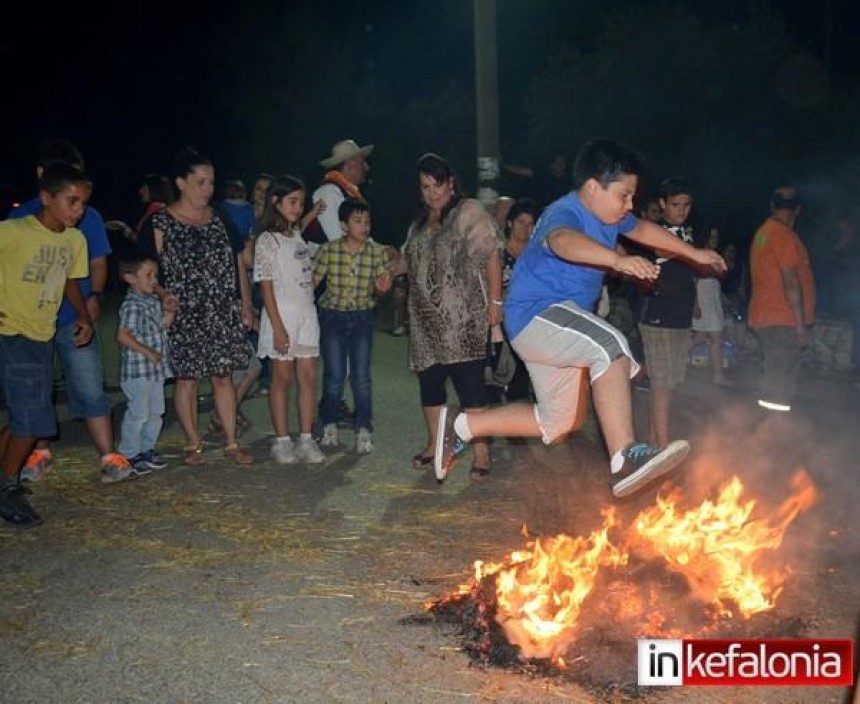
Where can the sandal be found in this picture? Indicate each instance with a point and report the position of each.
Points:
(194, 454)
(420, 461)
(238, 455)
(478, 472)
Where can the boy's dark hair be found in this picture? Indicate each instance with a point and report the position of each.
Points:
(59, 151)
(606, 161)
(439, 170)
(675, 186)
(350, 206)
(60, 176)
(279, 188)
(131, 263)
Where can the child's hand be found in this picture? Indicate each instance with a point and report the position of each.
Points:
(83, 332)
(153, 356)
(638, 267)
(169, 303)
(281, 341)
(383, 282)
(709, 258)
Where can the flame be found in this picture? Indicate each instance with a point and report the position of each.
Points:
(540, 594)
(716, 546)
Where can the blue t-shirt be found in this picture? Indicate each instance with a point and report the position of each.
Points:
(241, 213)
(541, 278)
(93, 227)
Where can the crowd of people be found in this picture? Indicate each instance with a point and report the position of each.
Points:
(504, 302)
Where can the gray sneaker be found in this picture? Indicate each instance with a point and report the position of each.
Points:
(307, 450)
(363, 442)
(643, 464)
(283, 451)
(449, 445)
(329, 436)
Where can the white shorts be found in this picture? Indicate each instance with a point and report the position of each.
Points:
(558, 346)
(302, 327)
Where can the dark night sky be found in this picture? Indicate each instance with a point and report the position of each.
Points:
(131, 83)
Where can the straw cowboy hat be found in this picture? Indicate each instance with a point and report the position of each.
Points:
(344, 151)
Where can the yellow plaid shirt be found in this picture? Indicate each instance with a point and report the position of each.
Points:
(350, 278)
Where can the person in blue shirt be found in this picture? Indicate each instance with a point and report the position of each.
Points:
(82, 366)
(550, 319)
(237, 207)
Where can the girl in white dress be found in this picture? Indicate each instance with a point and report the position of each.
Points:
(289, 331)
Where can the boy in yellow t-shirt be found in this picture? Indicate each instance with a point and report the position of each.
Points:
(40, 256)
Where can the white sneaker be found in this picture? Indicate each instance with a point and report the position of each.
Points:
(307, 450)
(283, 451)
(329, 438)
(363, 442)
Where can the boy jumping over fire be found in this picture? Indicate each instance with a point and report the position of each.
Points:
(551, 324)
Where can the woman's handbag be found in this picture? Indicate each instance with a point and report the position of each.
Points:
(501, 365)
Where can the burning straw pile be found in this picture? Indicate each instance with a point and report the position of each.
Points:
(576, 605)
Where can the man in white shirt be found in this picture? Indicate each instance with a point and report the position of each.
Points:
(347, 170)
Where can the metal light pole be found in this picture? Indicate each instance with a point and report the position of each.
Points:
(487, 97)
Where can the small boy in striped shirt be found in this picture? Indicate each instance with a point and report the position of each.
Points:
(356, 271)
(143, 344)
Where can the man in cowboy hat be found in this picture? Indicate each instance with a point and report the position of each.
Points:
(347, 170)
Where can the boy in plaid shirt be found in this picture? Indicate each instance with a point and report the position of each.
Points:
(356, 270)
(143, 342)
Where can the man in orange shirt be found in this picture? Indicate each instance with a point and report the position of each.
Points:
(782, 306)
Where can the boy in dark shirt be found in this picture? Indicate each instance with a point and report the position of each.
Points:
(667, 311)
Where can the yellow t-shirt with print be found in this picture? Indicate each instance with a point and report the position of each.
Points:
(34, 265)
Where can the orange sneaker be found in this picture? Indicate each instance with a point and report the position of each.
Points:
(116, 468)
(38, 464)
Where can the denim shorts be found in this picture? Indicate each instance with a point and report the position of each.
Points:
(26, 380)
(85, 377)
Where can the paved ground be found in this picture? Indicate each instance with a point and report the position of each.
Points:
(274, 584)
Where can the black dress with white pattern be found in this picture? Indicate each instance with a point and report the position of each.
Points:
(198, 265)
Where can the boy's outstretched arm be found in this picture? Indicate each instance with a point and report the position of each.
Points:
(656, 237)
(575, 247)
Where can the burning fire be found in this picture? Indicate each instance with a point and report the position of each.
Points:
(717, 547)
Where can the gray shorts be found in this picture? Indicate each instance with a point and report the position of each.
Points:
(558, 346)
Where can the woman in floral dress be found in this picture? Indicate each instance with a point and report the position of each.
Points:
(199, 265)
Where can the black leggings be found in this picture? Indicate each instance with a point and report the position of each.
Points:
(467, 378)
